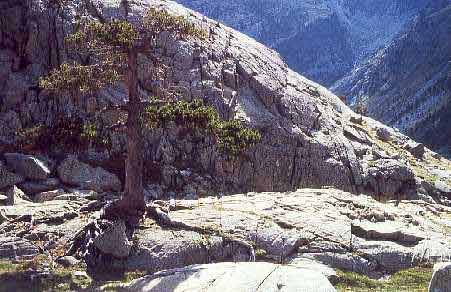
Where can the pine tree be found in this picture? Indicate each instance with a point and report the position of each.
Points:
(113, 48)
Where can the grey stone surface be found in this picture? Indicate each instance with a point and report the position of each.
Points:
(441, 279)
(319, 227)
(28, 166)
(73, 172)
(246, 277)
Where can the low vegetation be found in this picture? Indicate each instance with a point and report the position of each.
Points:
(37, 275)
(412, 280)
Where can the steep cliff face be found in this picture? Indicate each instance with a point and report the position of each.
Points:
(408, 83)
(322, 40)
(310, 138)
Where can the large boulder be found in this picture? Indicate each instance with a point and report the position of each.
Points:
(8, 178)
(15, 248)
(234, 277)
(73, 172)
(14, 196)
(28, 166)
(390, 178)
(441, 279)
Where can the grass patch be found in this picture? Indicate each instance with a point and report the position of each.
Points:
(19, 277)
(22, 277)
(413, 280)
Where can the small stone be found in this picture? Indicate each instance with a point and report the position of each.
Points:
(8, 178)
(383, 134)
(416, 149)
(441, 279)
(81, 275)
(442, 187)
(153, 192)
(48, 196)
(67, 261)
(114, 241)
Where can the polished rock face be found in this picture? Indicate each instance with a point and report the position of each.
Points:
(394, 52)
(314, 228)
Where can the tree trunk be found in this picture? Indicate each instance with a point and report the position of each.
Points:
(133, 201)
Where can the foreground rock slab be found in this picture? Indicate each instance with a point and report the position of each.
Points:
(246, 277)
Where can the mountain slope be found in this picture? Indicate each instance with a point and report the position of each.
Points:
(408, 83)
(322, 40)
(310, 138)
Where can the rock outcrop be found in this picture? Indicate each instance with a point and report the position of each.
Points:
(310, 138)
(8, 178)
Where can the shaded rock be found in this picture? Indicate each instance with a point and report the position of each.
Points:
(441, 279)
(153, 192)
(442, 187)
(8, 178)
(73, 172)
(234, 277)
(34, 187)
(388, 230)
(345, 261)
(389, 178)
(15, 248)
(3, 218)
(4, 199)
(28, 166)
(48, 196)
(114, 241)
